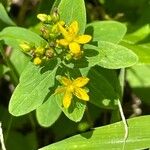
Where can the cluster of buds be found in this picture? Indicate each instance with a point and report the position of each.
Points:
(39, 54)
(49, 29)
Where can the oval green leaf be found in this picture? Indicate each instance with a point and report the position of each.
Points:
(19, 35)
(109, 137)
(73, 11)
(76, 109)
(111, 31)
(33, 89)
(104, 87)
(141, 50)
(111, 56)
(48, 112)
(4, 16)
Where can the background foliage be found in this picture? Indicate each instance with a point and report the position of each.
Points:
(121, 32)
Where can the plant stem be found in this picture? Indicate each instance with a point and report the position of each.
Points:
(8, 129)
(89, 119)
(2, 138)
(116, 113)
(13, 72)
(122, 81)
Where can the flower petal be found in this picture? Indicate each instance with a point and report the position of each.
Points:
(82, 39)
(74, 48)
(80, 81)
(63, 42)
(81, 94)
(67, 99)
(73, 28)
(60, 90)
(65, 81)
(62, 30)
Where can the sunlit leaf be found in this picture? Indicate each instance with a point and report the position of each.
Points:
(109, 137)
(111, 56)
(4, 16)
(111, 31)
(48, 113)
(18, 35)
(33, 89)
(73, 11)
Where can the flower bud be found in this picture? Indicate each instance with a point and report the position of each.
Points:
(55, 16)
(45, 32)
(49, 53)
(83, 126)
(25, 46)
(39, 51)
(68, 57)
(37, 61)
(44, 18)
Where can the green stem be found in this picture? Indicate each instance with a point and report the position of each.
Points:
(22, 12)
(89, 119)
(8, 129)
(33, 125)
(13, 73)
(122, 81)
(115, 113)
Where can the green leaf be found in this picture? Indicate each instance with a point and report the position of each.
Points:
(48, 113)
(139, 43)
(104, 87)
(138, 78)
(138, 36)
(33, 88)
(136, 73)
(109, 137)
(73, 11)
(141, 50)
(76, 109)
(4, 16)
(18, 35)
(111, 31)
(21, 62)
(111, 56)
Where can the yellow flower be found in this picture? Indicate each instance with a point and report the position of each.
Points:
(72, 39)
(73, 87)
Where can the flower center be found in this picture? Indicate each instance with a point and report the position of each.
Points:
(71, 88)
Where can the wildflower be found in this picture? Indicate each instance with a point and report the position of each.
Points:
(73, 87)
(72, 39)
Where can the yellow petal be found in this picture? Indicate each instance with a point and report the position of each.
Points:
(67, 99)
(60, 90)
(73, 28)
(63, 30)
(81, 94)
(65, 81)
(80, 81)
(74, 48)
(63, 42)
(82, 39)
